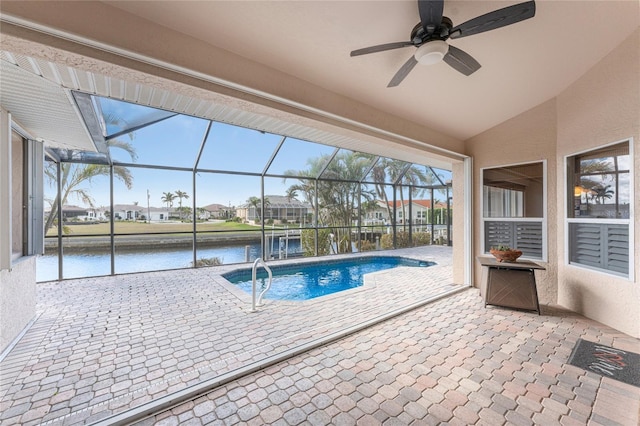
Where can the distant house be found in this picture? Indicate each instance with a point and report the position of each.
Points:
(127, 212)
(75, 213)
(134, 212)
(158, 214)
(420, 212)
(278, 208)
(217, 211)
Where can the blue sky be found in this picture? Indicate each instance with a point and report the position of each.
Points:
(176, 141)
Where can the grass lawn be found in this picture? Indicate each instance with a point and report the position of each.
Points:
(125, 227)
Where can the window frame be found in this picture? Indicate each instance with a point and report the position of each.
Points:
(542, 220)
(600, 221)
(29, 212)
(19, 194)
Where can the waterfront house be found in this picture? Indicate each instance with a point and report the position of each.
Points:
(134, 212)
(76, 213)
(422, 212)
(216, 211)
(278, 209)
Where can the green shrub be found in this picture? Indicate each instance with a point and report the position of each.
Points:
(402, 240)
(308, 238)
(386, 241)
(421, 239)
(366, 245)
(212, 261)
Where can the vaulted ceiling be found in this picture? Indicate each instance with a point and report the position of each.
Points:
(523, 64)
(296, 53)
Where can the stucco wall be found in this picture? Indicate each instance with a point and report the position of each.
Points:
(529, 137)
(602, 107)
(18, 299)
(458, 223)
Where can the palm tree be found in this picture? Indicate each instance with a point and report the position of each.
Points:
(73, 176)
(306, 181)
(256, 203)
(338, 196)
(589, 171)
(600, 193)
(200, 211)
(267, 203)
(168, 197)
(379, 175)
(180, 195)
(292, 193)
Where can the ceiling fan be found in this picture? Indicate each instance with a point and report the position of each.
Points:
(434, 29)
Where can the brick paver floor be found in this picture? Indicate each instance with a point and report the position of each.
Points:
(106, 345)
(103, 345)
(453, 362)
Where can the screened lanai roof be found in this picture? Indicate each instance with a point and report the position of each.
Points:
(137, 135)
(70, 124)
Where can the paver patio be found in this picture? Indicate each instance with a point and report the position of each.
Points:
(450, 362)
(102, 346)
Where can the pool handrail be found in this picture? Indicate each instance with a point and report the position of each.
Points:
(254, 304)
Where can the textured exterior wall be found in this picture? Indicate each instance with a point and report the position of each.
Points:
(457, 227)
(17, 299)
(602, 107)
(529, 137)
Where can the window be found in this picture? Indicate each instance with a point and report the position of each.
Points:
(514, 206)
(599, 209)
(17, 196)
(23, 178)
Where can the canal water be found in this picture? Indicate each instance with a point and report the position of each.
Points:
(90, 263)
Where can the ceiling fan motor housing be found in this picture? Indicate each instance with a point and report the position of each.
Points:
(420, 35)
(431, 52)
(430, 42)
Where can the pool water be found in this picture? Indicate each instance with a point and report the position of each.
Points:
(311, 280)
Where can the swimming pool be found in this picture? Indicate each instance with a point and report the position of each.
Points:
(310, 280)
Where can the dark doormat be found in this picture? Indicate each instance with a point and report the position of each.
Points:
(617, 364)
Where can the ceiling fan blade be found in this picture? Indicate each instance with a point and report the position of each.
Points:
(496, 19)
(430, 14)
(381, 48)
(403, 72)
(461, 61)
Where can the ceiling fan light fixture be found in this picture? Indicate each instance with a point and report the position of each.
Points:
(431, 52)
